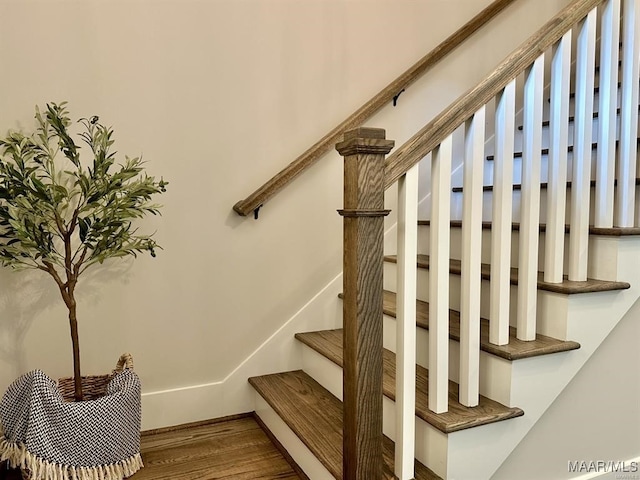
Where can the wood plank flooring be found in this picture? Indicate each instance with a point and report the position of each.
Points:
(234, 449)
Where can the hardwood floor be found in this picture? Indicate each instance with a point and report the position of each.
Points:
(233, 449)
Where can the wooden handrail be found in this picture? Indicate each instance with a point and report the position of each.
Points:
(434, 133)
(254, 201)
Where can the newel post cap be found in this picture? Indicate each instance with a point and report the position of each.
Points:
(365, 140)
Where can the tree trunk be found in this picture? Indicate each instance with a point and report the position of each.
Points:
(73, 324)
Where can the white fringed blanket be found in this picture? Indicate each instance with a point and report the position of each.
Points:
(58, 440)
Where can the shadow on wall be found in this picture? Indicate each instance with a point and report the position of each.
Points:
(23, 295)
(26, 294)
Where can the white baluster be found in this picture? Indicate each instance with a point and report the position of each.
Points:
(406, 324)
(608, 96)
(501, 224)
(581, 184)
(439, 277)
(471, 260)
(557, 163)
(626, 192)
(530, 202)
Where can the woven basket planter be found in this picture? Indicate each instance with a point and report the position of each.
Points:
(93, 386)
(50, 437)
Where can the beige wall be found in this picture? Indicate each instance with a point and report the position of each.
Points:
(218, 95)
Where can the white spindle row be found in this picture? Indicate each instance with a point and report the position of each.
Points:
(614, 204)
(557, 160)
(608, 96)
(406, 324)
(626, 171)
(471, 255)
(530, 201)
(439, 277)
(581, 182)
(502, 205)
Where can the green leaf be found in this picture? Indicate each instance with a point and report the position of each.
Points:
(45, 202)
(84, 224)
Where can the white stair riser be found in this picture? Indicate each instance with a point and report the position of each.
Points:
(518, 139)
(454, 290)
(487, 205)
(305, 459)
(572, 102)
(544, 168)
(456, 245)
(456, 200)
(431, 450)
(559, 323)
(495, 372)
(546, 129)
(432, 447)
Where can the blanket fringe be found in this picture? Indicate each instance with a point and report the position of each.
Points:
(40, 469)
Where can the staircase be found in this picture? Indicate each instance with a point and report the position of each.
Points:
(507, 284)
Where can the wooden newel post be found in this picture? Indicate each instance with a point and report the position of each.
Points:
(363, 150)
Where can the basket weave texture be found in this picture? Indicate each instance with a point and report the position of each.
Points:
(93, 386)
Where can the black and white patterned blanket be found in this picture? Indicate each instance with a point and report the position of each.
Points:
(97, 439)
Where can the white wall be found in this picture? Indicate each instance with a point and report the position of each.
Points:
(218, 95)
(595, 418)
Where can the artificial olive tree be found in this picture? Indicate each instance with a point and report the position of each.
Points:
(61, 216)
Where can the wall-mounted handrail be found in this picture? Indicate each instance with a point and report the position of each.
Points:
(254, 201)
(434, 133)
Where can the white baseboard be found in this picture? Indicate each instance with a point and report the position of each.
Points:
(182, 405)
(233, 394)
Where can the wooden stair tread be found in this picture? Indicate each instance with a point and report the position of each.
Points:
(543, 185)
(604, 231)
(516, 349)
(545, 151)
(567, 287)
(315, 415)
(329, 344)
